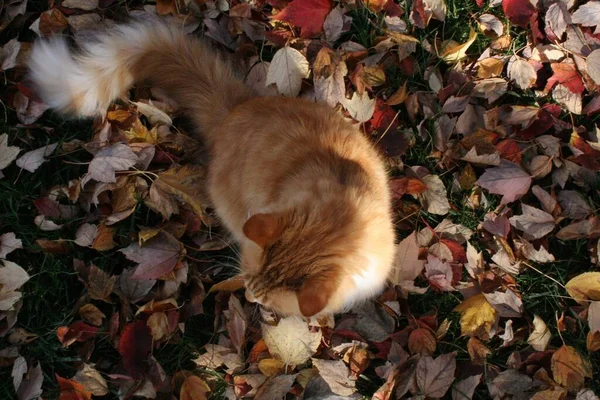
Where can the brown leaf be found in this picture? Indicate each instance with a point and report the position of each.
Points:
(337, 376)
(569, 368)
(434, 376)
(91, 380)
(107, 161)
(70, 390)
(478, 351)
(421, 341)
(508, 180)
(156, 258)
(104, 238)
(100, 284)
(271, 367)
(194, 388)
(275, 387)
(91, 314)
(464, 390)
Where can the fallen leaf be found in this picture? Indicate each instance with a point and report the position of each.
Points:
(18, 370)
(455, 52)
(81, 4)
(45, 224)
(593, 70)
(7, 153)
(86, 234)
(434, 199)
(91, 380)
(275, 387)
(153, 113)
(291, 341)
(12, 276)
(70, 390)
(421, 341)
(360, 107)
(271, 367)
(569, 369)
(91, 314)
(508, 180)
(534, 222)
(217, 355)
(507, 303)
(491, 23)
(32, 160)
(518, 11)
(31, 387)
(100, 284)
(587, 14)
(407, 265)
(522, 73)
(135, 346)
(464, 390)
(156, 258)
(309, 15)
(107, 161)
(337, 376)
(434, 376)
(194, 388)
(477, 317)
(287, 70)
(584, 287)
(540, 336)
(574, 205)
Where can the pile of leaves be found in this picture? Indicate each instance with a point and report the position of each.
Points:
(485, 112)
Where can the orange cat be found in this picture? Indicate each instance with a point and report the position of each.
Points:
(300, 188)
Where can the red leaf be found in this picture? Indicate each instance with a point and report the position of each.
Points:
(308, 15)
(567, 75)
(135, 346)
(384, 118)
(459, 254)
(78, 332)
(544, 121)
(47, 207)
(480, 3)
(510, 150)
(518, 12)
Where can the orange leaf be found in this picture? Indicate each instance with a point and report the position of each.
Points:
(232, 284)
(194, 388)
(70, 390)
(569, 368)
(308, 15)
(422, 341)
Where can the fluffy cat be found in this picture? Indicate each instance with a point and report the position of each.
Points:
(300, 188)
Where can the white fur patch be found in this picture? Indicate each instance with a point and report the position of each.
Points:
(368, 282)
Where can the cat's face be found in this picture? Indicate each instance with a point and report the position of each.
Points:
(297, 268)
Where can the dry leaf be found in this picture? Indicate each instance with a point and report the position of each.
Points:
(7, 153)
(287, 70)
(12, 276)
(91, 380)
(541, 335)
(291, 341)
(360, 107)
(434, 376)
(337, 376)
(156, 258)
(569, 369)
(454, 52)
(584, 287)
(534, 222)
(118, 157)
(522, 73)
(194, 388)
(508, 180)
(464, 390)
(477, 317)
(32, 160)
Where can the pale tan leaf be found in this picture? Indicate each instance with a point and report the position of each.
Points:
(337, 376)
(291, 341)
(12, 276)
(91, 380)
(360, 107)
(522, 73)
(118, 157)
(9, 243)
(287, 70)
(32, 160)
(434, 376)
(7, 153)
(541, 335)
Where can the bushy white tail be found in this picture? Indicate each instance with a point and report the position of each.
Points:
(86, 82)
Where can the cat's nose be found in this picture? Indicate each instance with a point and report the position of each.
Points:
(250, 297)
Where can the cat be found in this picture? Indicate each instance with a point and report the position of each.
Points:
(301, 189)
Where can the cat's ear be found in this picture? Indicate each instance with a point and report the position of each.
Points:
(263, 229)
(316, 291)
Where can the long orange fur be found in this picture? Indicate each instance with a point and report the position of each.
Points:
(300, 188)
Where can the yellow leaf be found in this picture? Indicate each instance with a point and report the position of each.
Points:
(569, 368)
(398, 97)
(271, 367)
(477, 317)
(232, 284)
(139, 133)
(453, 52)
(194, 388)
(584, 287)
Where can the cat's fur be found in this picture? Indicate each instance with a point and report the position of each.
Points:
(301, 189)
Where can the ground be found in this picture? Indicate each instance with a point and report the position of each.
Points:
(486, 114)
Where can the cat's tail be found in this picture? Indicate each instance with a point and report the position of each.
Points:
(84, 83)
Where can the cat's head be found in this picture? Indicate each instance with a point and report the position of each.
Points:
(298, 266)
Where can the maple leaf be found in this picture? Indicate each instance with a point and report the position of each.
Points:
(434, 376)
(464, 389)
(107, 161)
(569, 369)
(422, 341)
(567, 75)
(518, 11)
(291, 341)
(534, 222)
(434, 199)
(287, 70)
(337, 376)
(217, 355)
(407, 265)
(309, 15)
(156, 258)
(478, 317)
(32, 160)
(508, 179)
(360, 107)
(135, 346)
